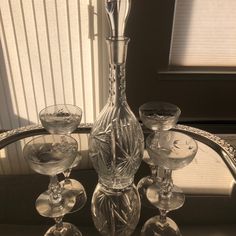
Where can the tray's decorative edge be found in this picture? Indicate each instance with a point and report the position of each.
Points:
(18, 131)
(10, 136)
(14, 133)
(228, 148)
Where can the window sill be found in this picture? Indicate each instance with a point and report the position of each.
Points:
(197, 73)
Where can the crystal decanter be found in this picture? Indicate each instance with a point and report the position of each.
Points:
(116, 141)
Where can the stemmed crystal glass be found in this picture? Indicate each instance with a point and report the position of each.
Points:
(64, 119)
(158, 117)
(51, 155)
(172, 150)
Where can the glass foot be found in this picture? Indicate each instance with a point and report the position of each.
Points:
(78, 191)
(154, 226)
(174, 200)
(142, 187)
(66, 229)
(46, 208)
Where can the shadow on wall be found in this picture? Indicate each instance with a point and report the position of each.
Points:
(9, 106)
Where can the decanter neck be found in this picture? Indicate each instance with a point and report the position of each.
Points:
(117, 51)
(117, 84)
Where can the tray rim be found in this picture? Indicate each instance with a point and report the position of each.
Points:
(223, 148)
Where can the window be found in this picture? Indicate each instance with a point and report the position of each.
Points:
(203, 94)
(204, 33)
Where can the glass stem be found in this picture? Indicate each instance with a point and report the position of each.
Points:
(55, 190)
(66, 174)
(167, 183)
(156, 173)
(163, 214)
(59, 223)
(156, 136)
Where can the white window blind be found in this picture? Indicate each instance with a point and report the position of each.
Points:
(51, 52)
(204, 33)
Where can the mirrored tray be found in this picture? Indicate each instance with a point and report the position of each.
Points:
(212, 171)
(214, 152)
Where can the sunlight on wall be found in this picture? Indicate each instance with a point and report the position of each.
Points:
(51, 52)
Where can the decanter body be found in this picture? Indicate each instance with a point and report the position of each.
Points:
(116, 140)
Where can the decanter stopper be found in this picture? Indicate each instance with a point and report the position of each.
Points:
(118, 12)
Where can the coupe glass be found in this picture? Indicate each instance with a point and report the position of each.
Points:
(157, 116)
(171, 151)
(64, 119)
(60, 118)
(51, 155)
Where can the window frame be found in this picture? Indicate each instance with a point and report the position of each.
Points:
(150, 77)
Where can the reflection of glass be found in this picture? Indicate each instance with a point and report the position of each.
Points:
(160, 226)
(64, 119)
(170, 150)
(75, 186)
(157, 116)
(115, 212)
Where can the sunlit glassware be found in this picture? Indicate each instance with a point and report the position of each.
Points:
(60, 118)
(116, 141)
(64, 119)
(51, 155)
(158, 117)
(171, 150)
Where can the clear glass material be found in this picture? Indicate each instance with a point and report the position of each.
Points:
(154, 180)
(157, 116)
(118, 12)
(51, 155)
(115, 212)
(155, 226)
(60, 118)
(63, 229)
(116, 142)
(171, 150)
(64, 119)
